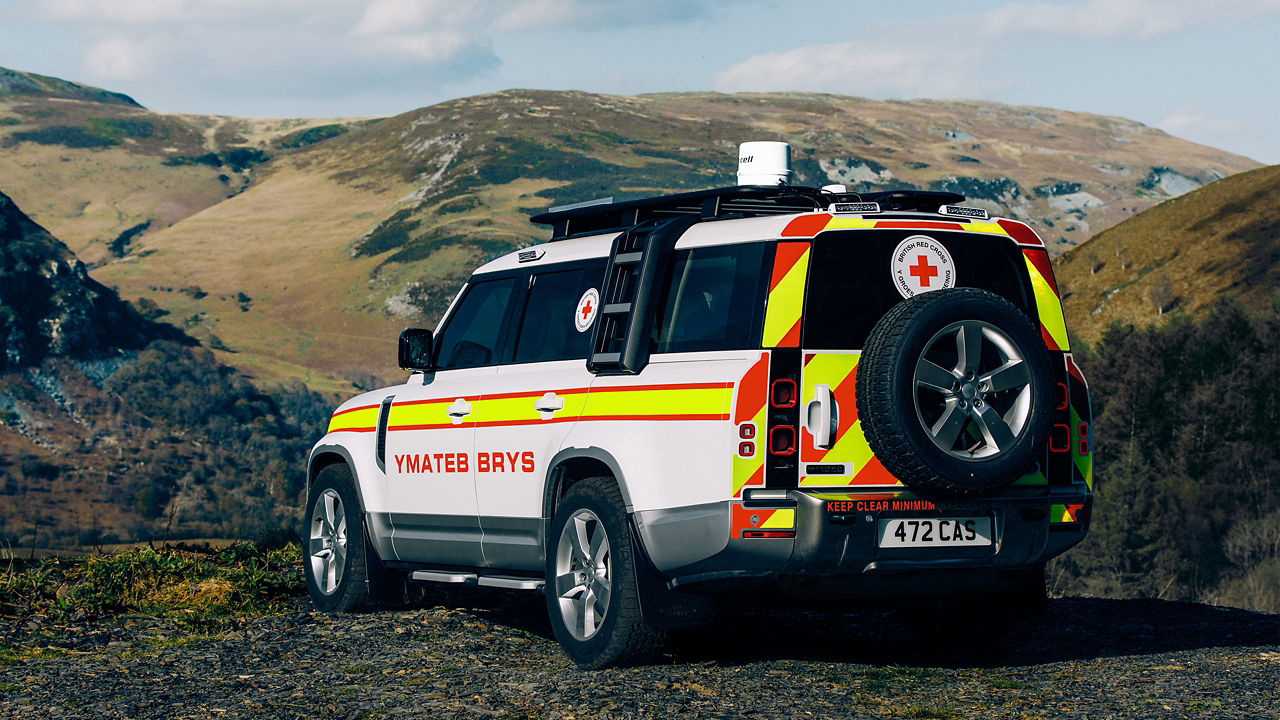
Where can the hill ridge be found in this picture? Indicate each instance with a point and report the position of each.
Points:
(17, 82)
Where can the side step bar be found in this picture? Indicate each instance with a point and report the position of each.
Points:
(509, 582)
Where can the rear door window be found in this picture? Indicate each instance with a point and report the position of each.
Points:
(713, 300)
(851, 284)
(547, 329)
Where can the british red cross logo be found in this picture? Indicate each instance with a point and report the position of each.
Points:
(923, 271)
(586, 310)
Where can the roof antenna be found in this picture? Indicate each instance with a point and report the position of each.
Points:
(764, 163)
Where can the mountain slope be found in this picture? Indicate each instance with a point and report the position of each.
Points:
(50, 306)
(1220, 241)
(14, 82)
(340, 244)
(113, 428)
(100, 171)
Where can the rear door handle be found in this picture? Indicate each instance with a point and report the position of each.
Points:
(458, 410)
(548, 405)
(822, 417)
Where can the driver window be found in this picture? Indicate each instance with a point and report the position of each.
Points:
(471, 337)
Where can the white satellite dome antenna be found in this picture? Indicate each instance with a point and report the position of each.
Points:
(764, 163)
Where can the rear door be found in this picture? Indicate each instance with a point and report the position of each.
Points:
(529, 406)
(854, 278)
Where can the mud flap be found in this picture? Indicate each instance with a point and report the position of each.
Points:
(661, 607)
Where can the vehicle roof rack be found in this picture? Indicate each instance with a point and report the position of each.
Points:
(735, 201)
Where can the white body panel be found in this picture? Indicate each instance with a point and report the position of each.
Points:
(512, 460)
(430, 470)
(670, 463)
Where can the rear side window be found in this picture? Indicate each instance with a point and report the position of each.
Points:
(471, 337)
(547, 330)
(851, 286)
(712, 300)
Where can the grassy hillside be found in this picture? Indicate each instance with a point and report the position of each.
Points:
(113, 428)
(341, 243)
(1221, 241)
(100, 171)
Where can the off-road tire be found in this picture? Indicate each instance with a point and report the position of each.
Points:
(364, 580)
(887, 392)
(622, 637)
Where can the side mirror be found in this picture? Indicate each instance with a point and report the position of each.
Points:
(415, 349)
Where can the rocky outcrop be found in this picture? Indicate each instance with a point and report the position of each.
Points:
(50, 307)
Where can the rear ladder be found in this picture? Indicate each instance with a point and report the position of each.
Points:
(635, 269)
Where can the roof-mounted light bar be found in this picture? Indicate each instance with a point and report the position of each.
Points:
(862, 208)
(964, 211)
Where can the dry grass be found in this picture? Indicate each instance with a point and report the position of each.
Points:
(1187, 243)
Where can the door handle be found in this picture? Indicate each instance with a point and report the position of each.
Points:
(458, 410)
(822, 417)
(548, 405)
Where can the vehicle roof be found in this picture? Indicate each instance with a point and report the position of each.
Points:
(597, 216)
(801, 225)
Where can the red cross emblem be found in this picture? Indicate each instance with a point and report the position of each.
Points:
(923, 271)
(586, 310)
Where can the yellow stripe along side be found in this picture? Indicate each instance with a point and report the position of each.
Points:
(360, 419)
(658, 402)
(521, 408)
(417, 414)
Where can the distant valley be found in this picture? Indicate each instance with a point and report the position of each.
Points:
(299, 248)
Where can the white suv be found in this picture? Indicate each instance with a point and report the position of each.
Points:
(693, 394)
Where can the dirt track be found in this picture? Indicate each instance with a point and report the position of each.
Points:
(489, 654)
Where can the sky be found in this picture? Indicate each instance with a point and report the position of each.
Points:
(1204, 71)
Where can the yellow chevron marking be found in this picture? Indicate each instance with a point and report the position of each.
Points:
(786, 303)
(781, 519)
(1048, 306)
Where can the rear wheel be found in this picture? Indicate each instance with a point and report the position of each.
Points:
(591, 583)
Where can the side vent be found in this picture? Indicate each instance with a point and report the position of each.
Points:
(384, 414)
(636, 264)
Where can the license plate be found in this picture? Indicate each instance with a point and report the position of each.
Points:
(933, 532)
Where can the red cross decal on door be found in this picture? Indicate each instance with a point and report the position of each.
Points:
(923, 271)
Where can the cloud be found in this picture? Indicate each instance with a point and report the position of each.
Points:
(1191, 121)
(114, 11)
(946, 57)
(877, 67)
(117, 59)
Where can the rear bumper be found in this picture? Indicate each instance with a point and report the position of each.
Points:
(835, 541)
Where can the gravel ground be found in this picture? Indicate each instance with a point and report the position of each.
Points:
(482, 653)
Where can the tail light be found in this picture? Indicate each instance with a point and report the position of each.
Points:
(782, 440)
(1059, 438)
(783, 393)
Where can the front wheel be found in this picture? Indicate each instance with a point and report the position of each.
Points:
(591, 584)
(341, 572)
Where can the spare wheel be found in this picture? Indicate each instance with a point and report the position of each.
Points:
(955, 392)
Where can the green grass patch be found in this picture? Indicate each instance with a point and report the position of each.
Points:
(310, 136)
(928, 710)
(1008, 684)
(66, 135)
(893, 677)
(200, 590)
